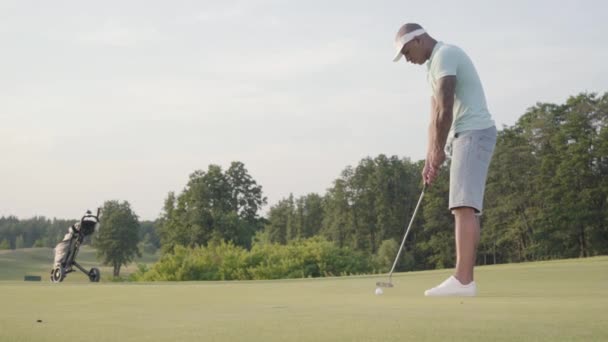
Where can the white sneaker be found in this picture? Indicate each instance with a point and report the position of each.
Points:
(452, 287)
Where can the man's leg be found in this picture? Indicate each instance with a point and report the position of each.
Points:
(467, 239)
(471, 155)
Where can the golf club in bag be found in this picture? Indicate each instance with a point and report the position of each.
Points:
(390, 274)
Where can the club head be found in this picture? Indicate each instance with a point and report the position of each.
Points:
(383, 284)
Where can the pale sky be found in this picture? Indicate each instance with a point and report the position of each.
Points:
(123, 100)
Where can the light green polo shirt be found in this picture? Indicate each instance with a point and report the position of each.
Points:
(470, 108)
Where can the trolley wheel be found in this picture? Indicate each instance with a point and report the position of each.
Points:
(57, 274)
(94, 275)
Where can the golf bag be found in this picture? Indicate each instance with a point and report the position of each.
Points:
(67, 249)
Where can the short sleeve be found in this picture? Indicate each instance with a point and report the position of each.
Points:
(447, 63)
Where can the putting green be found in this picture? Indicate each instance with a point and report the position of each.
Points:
(546, 301)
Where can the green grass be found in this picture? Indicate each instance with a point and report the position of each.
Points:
(15, 264)
(546, 301)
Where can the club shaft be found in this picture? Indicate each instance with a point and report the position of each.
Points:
(406, 232)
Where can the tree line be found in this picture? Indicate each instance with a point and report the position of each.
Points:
(40, 231)
(546, 198)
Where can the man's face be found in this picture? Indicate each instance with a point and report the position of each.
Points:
(413, 52)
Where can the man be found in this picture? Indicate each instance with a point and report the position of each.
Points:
(460, 121)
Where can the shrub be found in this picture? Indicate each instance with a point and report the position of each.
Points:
(314, 257)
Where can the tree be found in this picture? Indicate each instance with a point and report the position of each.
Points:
(371, 203)
(436, 240)
(214, 205)
(118, 235)
(280, 221)
(19, 242)
(311, 211)
(148, 232)
(338, 221)
(546, 195)
(509, 232)
(291, 219)
(146, 245)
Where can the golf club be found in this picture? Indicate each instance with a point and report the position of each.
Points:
(390, 274)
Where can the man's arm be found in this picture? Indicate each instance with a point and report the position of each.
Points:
(442, 105)
(441, 119)
(431, 133)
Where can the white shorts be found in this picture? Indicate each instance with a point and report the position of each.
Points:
(471, 153)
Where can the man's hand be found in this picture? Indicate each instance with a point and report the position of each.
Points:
(427, 173)
(433, 163)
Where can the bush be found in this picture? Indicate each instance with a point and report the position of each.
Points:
(314, 257)
(5, 244)
(386, 255)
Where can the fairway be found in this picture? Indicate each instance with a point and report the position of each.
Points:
(14, 264)
(547, 301)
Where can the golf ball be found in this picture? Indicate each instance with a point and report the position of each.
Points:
(378, 291)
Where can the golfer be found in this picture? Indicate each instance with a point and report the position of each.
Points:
(462, 124)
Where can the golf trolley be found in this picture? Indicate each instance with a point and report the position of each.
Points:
(71, 245)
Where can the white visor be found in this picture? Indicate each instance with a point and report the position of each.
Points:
(406, 38)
